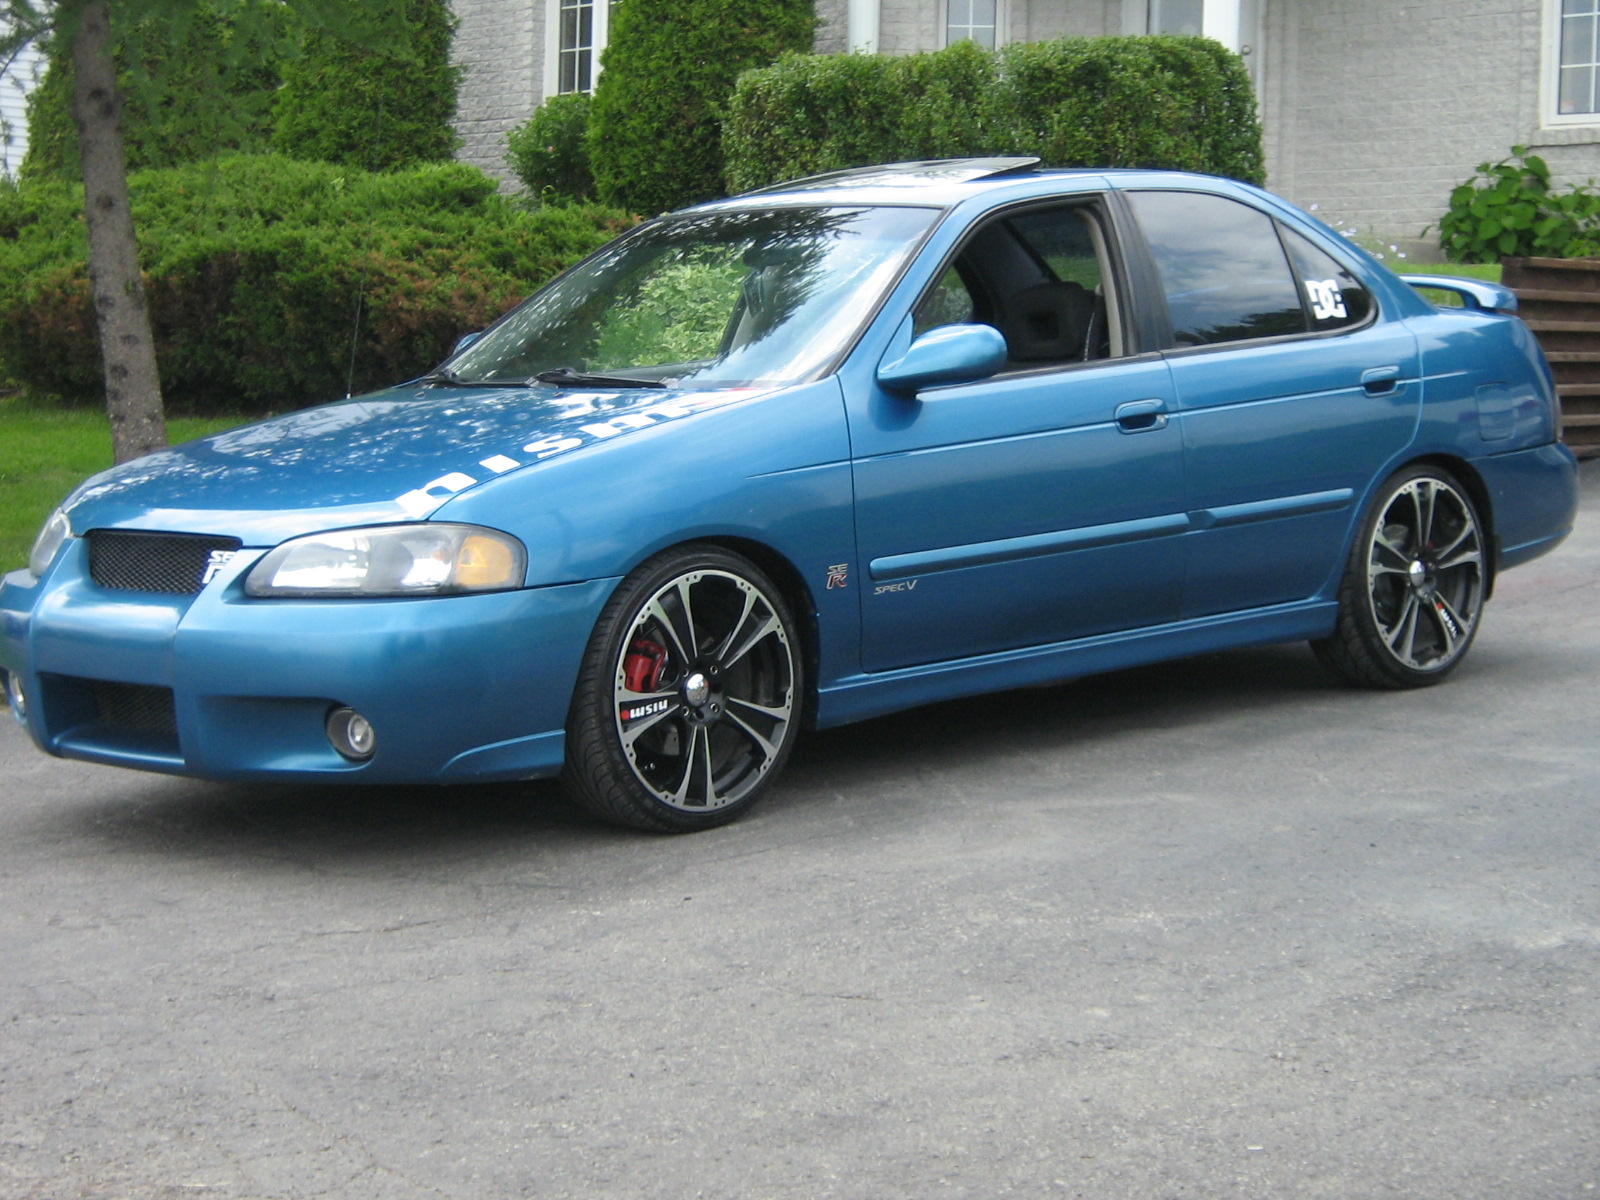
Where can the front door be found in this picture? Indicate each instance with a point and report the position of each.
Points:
(1036, 506)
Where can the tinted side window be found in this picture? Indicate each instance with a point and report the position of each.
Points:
(1222, 268)
(1335, 297)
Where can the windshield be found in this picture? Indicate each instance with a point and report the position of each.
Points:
(724, 299)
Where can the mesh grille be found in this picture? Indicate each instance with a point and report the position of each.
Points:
(152, 562)
(135, 707)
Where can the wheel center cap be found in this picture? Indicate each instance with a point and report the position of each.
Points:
(697, 689)
(1417, 573)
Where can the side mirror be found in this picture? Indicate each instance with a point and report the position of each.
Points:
(949, 354)
(464, 341)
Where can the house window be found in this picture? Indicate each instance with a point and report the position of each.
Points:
(577, 35)
(1181, 17)
(1578, 73)
(975, 20)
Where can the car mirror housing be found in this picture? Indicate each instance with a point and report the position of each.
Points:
(949, 354)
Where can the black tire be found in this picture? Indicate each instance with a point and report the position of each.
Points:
(689, 697)
(1413, 589)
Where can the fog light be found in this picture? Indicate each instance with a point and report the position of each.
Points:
(16, 697)
(351, 734)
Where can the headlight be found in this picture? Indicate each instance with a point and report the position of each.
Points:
(45, 547)
(391, 560)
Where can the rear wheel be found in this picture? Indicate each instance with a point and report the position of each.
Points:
(688, 701)
(1414, 586)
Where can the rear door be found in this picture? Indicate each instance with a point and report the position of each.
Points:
(1295, 392)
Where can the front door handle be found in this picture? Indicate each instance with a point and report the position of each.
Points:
(1141, 416)
(1380, 381)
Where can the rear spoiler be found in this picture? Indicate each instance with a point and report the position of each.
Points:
(1474, 293)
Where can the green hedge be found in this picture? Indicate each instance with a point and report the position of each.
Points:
(374, 109)
(549, 151)
(1183, 103)
(255, 264)
(655, 132)
(217, 98)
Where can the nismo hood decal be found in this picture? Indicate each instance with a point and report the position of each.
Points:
(391, 456)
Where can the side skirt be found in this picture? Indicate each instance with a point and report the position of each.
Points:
(858, 697)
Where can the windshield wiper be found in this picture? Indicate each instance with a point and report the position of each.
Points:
(445, 375)
(566, 376)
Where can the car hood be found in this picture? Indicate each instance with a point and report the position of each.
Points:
(391, 456)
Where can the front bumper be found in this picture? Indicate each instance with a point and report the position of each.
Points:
(224, 686)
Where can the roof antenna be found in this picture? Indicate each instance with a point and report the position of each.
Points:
(361, 287)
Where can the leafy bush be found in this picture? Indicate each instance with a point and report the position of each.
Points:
(1183, 103)
(371, 108)
(655, 135)
(1178, 102)
(217, 94)
(256, 267)
(812, 113)
(1510, 207)
(550, 151)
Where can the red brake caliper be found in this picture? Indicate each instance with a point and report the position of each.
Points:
(641, 669)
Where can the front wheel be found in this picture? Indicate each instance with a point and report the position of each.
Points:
(689, 697)
(1414, 586)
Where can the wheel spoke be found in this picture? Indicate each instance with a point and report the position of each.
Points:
(721, 653)
(697, 736)
(684, 585)
(1449, 622)
(633, 727)
(766, 628)
(1379, 542)
(762, 741)
(1405, 626)
(1444, 552)
(1427, 498)
(1469, 555)
(659, 611)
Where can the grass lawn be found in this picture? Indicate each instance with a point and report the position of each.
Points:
(46, 451)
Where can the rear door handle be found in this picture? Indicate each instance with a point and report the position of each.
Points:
(1141, 416)
(1380, 380)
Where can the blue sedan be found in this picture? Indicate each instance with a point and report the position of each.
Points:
(803, 457)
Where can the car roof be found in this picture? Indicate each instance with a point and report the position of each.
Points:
(945, 183)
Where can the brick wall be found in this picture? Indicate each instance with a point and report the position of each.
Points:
(1374, 110)
(501, 45)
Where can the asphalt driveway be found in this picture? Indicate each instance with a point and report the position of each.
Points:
(1215, 929)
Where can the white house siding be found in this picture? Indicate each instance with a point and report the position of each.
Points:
(14, 87)
(501, 46)
(1375, 110)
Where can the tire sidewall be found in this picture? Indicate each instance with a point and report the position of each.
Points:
(592, 713)
(1358, 591)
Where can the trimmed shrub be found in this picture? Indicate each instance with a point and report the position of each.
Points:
(812, 113)
(1176, 102)
(550, 151)
(1510, 207)
(209, 103)
(256, 267)
(1181, 103)
(670, 65)
(373, 109)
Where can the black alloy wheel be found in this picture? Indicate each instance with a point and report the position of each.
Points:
(1413, 589)
(689, 697)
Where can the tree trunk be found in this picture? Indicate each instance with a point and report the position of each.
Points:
(127, 346)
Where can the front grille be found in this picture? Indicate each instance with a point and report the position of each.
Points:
(135, 707)
(138, 561)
